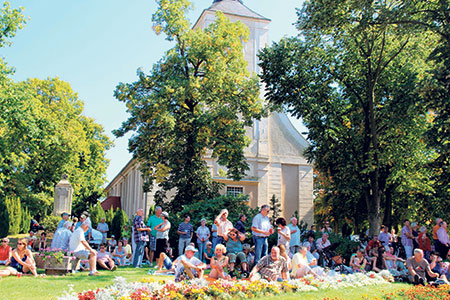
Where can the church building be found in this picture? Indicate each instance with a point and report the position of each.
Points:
(275, 154)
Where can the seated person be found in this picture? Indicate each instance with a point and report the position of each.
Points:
(236, 255)
(22, 260)
(61, 238)
(394, 262)
(379, 263)
(208, 254)
(358, 262)
(104, 259)
(419, 269)
(128, 250)
(312, 260)
(43, 241)
(218, 263)
(271, 267)
(119, 254)
(5, 252)
(300, 266)
(32, 241)
(188, 266)
(112, 243)
(439, 266)
(164, 261)
(250, 255)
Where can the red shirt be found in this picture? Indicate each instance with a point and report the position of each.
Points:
(4, 252)
(425, 245)
(374, 244)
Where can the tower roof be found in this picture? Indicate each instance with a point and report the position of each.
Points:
(234, 7)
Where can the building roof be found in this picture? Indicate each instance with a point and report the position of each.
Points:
(234, 7)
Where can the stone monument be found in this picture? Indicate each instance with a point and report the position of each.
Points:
(63, 196)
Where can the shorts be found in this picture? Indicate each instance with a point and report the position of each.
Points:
(161, 247)
(82, 254)
(152, 243)
(3, 262)
(167, 263)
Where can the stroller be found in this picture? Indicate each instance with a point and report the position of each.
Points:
(35, 227)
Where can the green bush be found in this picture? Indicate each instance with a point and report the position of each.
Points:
(119, 221)
(15, 214)
(50, 223)
(25, 222)
(109, 216)
(4, 219)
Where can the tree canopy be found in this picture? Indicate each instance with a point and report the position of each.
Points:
(352, 75)
(44, 134)
(195, 101)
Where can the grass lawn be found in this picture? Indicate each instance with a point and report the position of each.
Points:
(28, 287)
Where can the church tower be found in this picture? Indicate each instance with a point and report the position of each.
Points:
(275, 155)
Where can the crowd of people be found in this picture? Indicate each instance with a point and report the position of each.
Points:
(411, 256)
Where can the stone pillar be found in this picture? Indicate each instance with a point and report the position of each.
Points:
(63, 197)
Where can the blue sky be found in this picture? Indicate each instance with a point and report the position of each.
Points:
(95, 44)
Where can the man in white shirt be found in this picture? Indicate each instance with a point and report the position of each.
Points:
(294, 243)
(61, 239)
(261, 230)
(81, 249)
(189, 265)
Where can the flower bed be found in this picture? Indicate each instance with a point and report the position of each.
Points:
(151, 288)
(420, 292)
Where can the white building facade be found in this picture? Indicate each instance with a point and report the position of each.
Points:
(275, 154)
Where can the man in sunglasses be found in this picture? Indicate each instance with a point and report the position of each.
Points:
(5, 252)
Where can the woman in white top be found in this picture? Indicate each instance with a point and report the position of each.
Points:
(284, 233)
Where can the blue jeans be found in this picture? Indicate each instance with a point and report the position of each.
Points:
(138, 254)
(408, 251)
(261, 247)
(201, 249)
(182, 244)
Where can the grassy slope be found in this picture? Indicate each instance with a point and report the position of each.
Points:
(51, 287)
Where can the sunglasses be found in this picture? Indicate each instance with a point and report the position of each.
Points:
(4, 241)
(23, 244)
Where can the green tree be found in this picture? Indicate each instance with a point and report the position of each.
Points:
(109, 215)
(196, 101)
(4, 219)
(352, 77)
(25, 221)
(96, 213)
(15, 214)
(119, 221)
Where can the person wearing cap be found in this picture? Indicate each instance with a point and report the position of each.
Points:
(203, 235)
(162, 235)
(112, 243)
(103, 228)
(81, 249)
(61, 238)
(189, 266)
(64, 218)
(5, 252)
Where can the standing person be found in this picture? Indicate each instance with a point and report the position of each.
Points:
(185, 231)
(203, 234)
(81, 249)
(261, 229)
(140, 236)
(162, 235)
(407, 238)
(384, 237)
(152, 222)
(435, 230)
(284, 233)
(415, 232)
(22, 260)
(240, 224)
(223, 226)
(103, 228)
(424, 242)
(444, 242)
(64, 218)
(5, 252)
(294, 243)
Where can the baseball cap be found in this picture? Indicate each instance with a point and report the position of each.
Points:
(190, 248)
